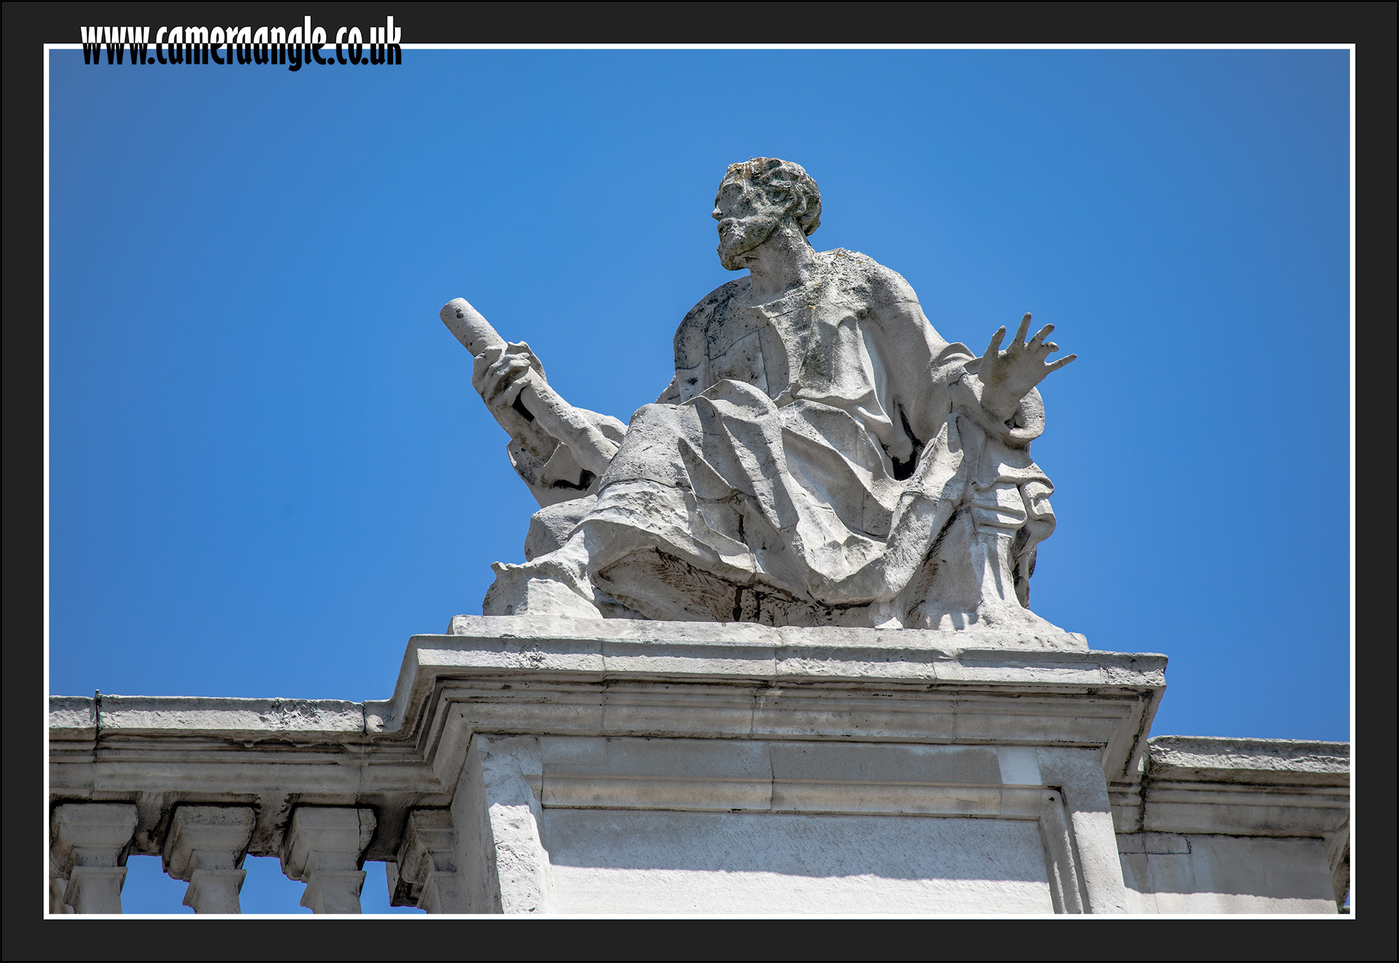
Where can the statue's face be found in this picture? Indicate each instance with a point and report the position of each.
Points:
(747, 216)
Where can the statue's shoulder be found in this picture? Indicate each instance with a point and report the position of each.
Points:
(864, 279)
(690, 336)
(707, 305)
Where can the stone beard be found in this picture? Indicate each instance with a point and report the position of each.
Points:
(822, 456)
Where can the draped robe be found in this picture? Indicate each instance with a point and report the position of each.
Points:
(806, 458)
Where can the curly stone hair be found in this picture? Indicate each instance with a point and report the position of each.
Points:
(781, 178)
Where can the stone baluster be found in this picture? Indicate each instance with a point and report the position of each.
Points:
(323, 849)
(427, 866)
(57, 887)
(89, 843)
(206, 846)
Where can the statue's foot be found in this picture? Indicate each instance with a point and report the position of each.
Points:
(999, 616)
(525, 590)
(1010, 615)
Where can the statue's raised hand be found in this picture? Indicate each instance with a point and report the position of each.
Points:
(1009, 375)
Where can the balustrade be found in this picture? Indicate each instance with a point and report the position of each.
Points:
(205, 846)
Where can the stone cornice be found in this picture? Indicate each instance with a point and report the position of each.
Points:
(1245, 787)
(1262, 761)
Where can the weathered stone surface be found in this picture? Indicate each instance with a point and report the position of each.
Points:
(1096, 871)
(91, 834)
(742, 863)
(1199, 757)
(542, 650)
(136, 713)
(822, 456)
(651, 825)
(806, 641)
(1265, 786)
(74, 716)
(497, 812)
(1199, 873)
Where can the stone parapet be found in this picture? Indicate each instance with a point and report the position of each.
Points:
(1267, 821)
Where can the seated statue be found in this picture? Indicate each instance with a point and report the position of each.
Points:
(822, 456)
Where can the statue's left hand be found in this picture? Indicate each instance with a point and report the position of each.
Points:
(1009, 375)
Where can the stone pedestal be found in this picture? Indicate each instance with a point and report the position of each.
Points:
(642, 767)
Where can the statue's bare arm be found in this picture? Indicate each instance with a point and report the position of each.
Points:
(996, 384)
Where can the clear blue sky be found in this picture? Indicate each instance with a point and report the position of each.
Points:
(268, 468)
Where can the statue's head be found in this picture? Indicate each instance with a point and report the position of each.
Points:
(753, 200)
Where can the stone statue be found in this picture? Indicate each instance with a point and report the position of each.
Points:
(822, 456)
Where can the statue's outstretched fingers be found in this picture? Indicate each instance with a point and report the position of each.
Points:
(1060, 363)
(1043, 333)
(1024, 329)
(994, 348)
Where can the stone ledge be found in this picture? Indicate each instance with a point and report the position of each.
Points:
(728, 633)
(1216, 759)
(726, 681)
(1237, 787)
(606, 649)
(75, 717)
